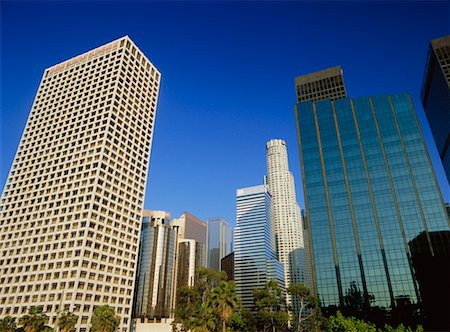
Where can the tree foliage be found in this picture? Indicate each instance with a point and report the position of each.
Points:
(309, 311)
(269, 304)
(34, 321)
(104, 319)
(210, 305)
(8, 324)
(66, 321)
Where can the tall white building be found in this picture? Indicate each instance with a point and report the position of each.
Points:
(219, 241)
(255, 257)
(73, 200)
(285, 214)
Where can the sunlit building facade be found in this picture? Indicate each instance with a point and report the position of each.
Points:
(370, 188)
(73, 200)
(155, 268)
(255, 256)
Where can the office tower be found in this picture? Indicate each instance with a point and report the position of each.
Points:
(227, 265)
(155, 267)
(436, 97)
(432, 271)
(285, 215)
(219, 241)
(255, 257)
(321, 85)
(370, 188)
(190, 227)
(309, 259)
(189, 256)
(72, 203)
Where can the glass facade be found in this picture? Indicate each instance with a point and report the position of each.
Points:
(219, 241)
(255, 257)
(370, 188)
(156, 263)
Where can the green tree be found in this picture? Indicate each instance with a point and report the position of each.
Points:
(339, 323)
(208, 305)
(66, 321)
(34, 321)
(302, 295)
(224, 301)
(104, 319)
(269, 303)
(8, 324)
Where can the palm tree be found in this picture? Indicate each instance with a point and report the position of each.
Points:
(8, 324)
(66, 321)
(225, 301)
(104, 319)
(35, 320)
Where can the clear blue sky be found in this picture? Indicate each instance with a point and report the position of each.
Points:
(227, 77)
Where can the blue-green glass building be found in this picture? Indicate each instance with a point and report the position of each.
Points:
(370, 189)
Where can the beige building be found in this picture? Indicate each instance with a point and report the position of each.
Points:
(192, 228)
(73, 200)
(286, 215)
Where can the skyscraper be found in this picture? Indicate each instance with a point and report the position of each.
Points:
(72, 203)
(436, 96)
(370, 188)
(286, 215)
(190, 227)
(255, 257)
(219, 241)
(155, 268)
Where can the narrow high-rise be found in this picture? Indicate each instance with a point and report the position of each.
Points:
(219, 241)
(286, 215)
(73, 200)
(436, 97)
(370, 189)
(255, 256)
(156, 268)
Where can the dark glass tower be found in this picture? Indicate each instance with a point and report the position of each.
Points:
(436, 96)
(370, 188)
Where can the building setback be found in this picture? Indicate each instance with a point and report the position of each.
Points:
(71, 206)
(219, 241)
(155, 268)
(286, 215)
(370, 188)
(436, 97)
(190, 227)
(255, 257)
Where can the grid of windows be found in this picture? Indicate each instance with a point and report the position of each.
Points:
(71, 207)
(370, 189)
(321, 85)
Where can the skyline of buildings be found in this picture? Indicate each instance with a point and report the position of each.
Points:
(71, 207)
(370, 188)
(73, 201)
(435, 97)
(286, 217)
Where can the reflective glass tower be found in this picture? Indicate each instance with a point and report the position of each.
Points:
(219, 241)
(255, 257)
(156, 265)
(370, 188)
